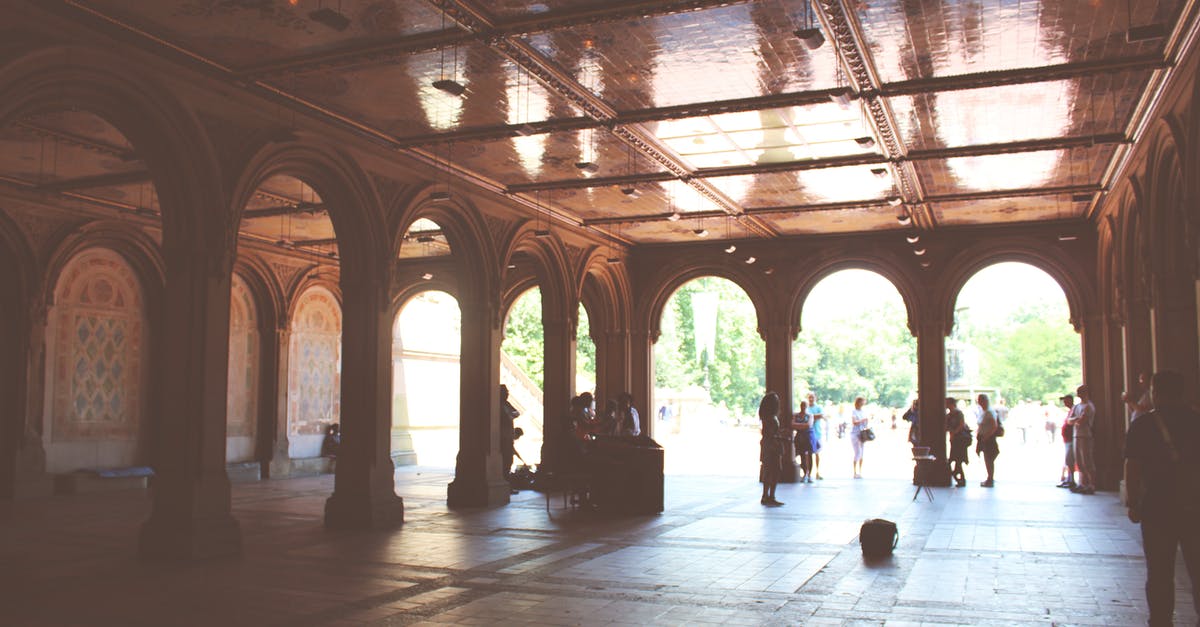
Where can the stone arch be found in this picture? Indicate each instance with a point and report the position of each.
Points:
(168, 137)
(303, 284)
(100, 356)
(886, 268)
(17, 265)
(269, 297)
(245, 370)
(355, 210)
(552, 270)
(674, 277)
(436, 284)
(604, 289)
(470, 245)
(1072, 279)
(314, 375)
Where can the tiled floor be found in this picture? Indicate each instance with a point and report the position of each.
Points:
(1017, 554)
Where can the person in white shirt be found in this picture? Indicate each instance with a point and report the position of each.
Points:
(858, 418)
(630, 423)
(1083, 416)
(986, 444)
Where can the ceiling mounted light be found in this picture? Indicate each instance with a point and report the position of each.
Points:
(842, 97)
(674, 217)
(865, 142)
(425, 239)
(1081, 198)
(512, 266)
(452, 87)
(542, 233)
(904, 219)
(751, 260)
(331, 18)
(631, 191)
(1147, 32)
(613, 260)
(284, 242)
(913, 239)
(700, 232)
(1067, 238)
(769, 271)
(332, 254)
(879, 172)
(810, 37)
(730, 249)
(440, 195)
(925, 263)
(427, 276)
(587, 167)
(918, 251)
(895, 201)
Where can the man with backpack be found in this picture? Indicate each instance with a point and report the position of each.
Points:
(1162, 481)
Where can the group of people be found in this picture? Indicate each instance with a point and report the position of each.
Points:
(1077, 435)
(988, 429)
(619, 417)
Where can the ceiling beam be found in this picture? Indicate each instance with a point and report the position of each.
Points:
(388, 49)
(283, 210)
(326, 241)
(1015, 193)
(87, 143)
(1020, 76)
(116, 179)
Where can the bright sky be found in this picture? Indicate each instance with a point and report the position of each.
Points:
(993, 292)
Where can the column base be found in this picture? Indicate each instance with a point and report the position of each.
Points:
(190, 538)
(932, 474)
(359, 512)
(479, 493)
(791, 472)
(404, 458)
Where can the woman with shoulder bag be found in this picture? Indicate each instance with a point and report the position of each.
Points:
(960, 441)
(989, 429)
(859, 423)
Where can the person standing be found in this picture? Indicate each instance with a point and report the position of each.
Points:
(631, 423)
(1068, 438)
(508, 414)
(770, 449)
(1139, 401)
(960, 441)
(1162, 479)
(1083, 415)
(913, 418)
(819, 431)
(858, 420)
(802, 424)
(986, 444)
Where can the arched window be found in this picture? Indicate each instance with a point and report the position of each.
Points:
(241, 404)
(314, 372)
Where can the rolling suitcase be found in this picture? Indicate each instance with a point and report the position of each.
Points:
(878, 537)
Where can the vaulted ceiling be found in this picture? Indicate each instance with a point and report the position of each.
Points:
(665, 121)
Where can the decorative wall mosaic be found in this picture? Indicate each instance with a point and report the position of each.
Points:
(96, 328)
(242, 399)
(314, 377)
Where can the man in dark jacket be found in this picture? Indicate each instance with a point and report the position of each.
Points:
(1162, 480)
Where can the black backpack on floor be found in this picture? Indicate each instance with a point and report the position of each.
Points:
(878, 537)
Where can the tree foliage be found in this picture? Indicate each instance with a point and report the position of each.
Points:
(1033, 354)
(524, 337)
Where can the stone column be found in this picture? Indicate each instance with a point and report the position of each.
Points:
(403, 451)
(778, 339)
(1108, 429)
(364, 491)
(275, 377)
(477, 479)
(191, 515)
(558, 384)
(1175, 335)
(641, 374)
(24, 455)
(612, 363)
(931, 389)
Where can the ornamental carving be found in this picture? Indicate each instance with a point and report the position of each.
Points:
(314, 376)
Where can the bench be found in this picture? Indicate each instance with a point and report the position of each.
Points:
(86, 480)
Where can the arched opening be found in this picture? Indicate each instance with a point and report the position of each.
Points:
(709, 375)
(854, 342)
(314, 376)
(241, 401)
(585, 353)
(522, 366)
(97, 366)
(426, 366)
(1013, 340)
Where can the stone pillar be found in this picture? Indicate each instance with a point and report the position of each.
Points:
(191, 515)
(275, 377)
(558, 384)
(931, 389)
(1175, 335)
(1108, 429)
(778, 339)
(612, 363)
(403, 452)
(364, 491)
(23, 455)
(477, 479)
(641, 374)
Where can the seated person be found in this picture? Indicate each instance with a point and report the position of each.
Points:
(333, 440)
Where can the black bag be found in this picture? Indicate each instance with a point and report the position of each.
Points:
(878, 537)
(866, 435)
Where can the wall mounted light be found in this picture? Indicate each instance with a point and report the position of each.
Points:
(895, 201)
(810, 37)
(427, 276)
(730, 249)
(700, 232)
(913, 239)
(750, 259)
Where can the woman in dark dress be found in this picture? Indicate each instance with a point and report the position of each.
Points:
(802, 423)
(960, 441)
(770, 448)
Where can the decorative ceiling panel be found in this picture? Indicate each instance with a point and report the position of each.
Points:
(1001, 210)
(516, 9)
(241, 33)
(653, 199)
(725, 53)
(295, 227)
(35, 153)
(922, 38)
(549, 157)
(398, 97)
(1085, 106)
(810, 187)
(424, 238)
(661, 231)
(832, 220)
(1045, 168)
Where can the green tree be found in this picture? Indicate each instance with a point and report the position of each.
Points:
(585, 348)
(1032, 354)
(524, 336)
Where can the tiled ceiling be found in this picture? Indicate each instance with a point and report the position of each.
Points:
(653, 121)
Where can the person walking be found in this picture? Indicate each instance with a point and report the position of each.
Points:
(1083, 416)
(1162, 480)
(986, 444)
(770, 449)
(960, 441)
(819, 431)
(859, 421)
